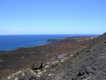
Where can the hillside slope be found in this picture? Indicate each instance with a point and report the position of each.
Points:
(89, 64)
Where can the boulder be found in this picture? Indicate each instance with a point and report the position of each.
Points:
(61, 56)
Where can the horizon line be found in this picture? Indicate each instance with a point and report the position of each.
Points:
(51, 34)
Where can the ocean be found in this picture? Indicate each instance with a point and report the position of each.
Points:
(11, 42)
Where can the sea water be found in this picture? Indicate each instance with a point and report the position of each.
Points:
(11, 42)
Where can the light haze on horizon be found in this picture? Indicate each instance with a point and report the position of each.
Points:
(18, 17)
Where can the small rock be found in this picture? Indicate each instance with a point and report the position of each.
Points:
(46, 66)
(71, 55)
(44, 70)
(31, 71)
(54, 69)
(38, 70)
(16, 79)
(48, 63)
(17, 73)
(62, 60)
(9, 77)
(50, 74)
(40, 73)
(89, 77)
(55, 62)
(23, 74)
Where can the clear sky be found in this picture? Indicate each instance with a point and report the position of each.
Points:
(52, 17)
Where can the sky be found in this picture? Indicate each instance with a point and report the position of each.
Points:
(18, 17)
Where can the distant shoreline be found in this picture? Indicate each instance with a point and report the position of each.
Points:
(49, 41)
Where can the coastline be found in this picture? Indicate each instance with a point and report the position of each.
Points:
(27, 56)
(12, 42)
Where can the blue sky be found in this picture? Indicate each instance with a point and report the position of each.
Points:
(52, 17)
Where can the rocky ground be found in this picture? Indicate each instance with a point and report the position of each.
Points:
(80, 59)
(90, 63)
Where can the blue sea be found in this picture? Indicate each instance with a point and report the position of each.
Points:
(11, 42)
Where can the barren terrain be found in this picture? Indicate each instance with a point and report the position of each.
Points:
(76, 58)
